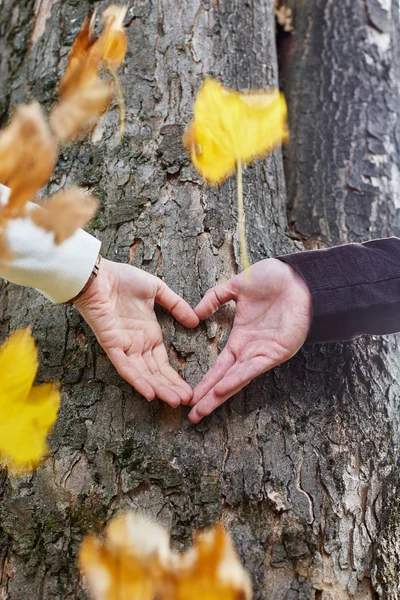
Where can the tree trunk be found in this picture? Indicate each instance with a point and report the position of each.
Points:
(301, 465)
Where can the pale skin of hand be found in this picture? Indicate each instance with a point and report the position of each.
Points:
(119, 308)
(273, 317)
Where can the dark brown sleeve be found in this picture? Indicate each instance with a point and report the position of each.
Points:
(355, 289)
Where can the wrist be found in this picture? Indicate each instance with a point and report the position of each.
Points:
(297, 280)
(92, 277)
(98, 288)
(298, 287)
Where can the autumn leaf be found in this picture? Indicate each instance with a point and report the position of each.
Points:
(64, 212)
(27, 412)
(283, 15)
(78, 57)
(77, 114)
(134, 561)
(128, 562)
(28, 154)
(231, 129)
(84, 96)
(231, 126)
(89, 53)
(211, 570)
(116, 43)
(84, 61)
(28, 146)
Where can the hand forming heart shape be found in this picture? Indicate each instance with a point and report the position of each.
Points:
(273, 315)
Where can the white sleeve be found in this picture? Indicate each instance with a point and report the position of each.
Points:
(58, 271)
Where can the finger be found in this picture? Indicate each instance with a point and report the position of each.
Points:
(183, 388)
(136, 371)
(165, 388)
(161, 357)
(223, 363)
(164, 392)
(178, 307)
(132, 372)
(214, 299)
(154, 368)
(241, 375)
(206, 406)
(236, 378)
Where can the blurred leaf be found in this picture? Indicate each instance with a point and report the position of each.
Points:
(64, 212)
(28, 154)
(83, 95)
(27, 412)
(134, 561)
(231, 126)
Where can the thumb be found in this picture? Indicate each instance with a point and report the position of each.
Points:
(178, 307)
(215, 298)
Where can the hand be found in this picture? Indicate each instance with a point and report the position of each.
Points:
(273, 316)
(119, 307)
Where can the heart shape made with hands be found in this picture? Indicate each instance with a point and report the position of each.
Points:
(272, 319)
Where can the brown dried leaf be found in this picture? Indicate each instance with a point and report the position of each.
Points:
(83, 66)
(28, 154)
(83, 95)
(79, 51)
(116, 43)
(212, 570)
(134, 561)
(64, 212)
(127, 563)
(89, 54)
(77, 114)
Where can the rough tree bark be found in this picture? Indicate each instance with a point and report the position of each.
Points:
(301, 465)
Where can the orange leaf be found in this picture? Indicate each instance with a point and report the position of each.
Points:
(28, 154)
(77, 114)
(83, 95)
(80, 48)
(116, 42)
(212, 570)
(84, 60)
(134, 561)
(127, 563)
(89, 54)
(65, 212)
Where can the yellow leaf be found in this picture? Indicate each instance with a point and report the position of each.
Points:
(127, 563)
(134, 561)
(116, 43)
(211, 570)
(26, 413)
(231, 127)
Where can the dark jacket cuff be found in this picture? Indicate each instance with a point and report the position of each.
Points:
(355, 289)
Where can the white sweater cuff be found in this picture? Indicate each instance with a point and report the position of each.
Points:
(58, 271)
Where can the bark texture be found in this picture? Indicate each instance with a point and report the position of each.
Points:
(301, 465)
(340, 71)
